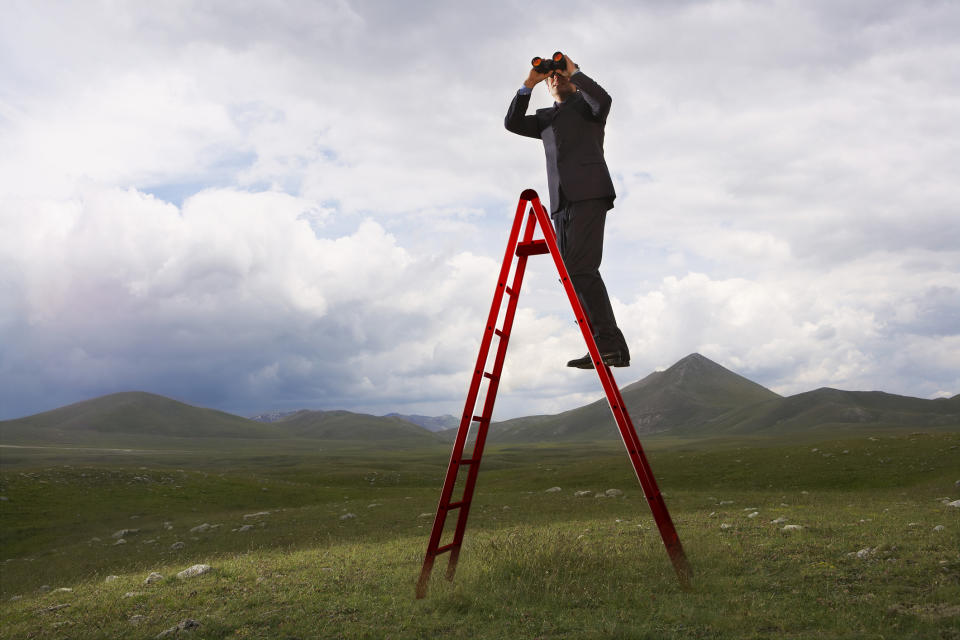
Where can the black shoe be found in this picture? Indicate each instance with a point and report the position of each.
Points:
(581, 363)
(616, 358)
(610, 358)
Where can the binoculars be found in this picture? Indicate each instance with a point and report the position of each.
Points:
(545, 65)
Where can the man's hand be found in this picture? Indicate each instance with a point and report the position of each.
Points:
(571, 67)
(534, 78)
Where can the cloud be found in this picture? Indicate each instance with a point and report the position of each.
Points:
(302, 204)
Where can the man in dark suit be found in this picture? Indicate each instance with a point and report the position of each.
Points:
(581, 191)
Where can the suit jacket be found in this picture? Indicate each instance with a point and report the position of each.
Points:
(572, 135)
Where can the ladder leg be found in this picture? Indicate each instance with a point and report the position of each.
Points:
(487, 413)
(628, 432)
(467, 418)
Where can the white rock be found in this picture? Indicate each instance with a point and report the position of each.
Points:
(245, 527)
(753, 515)
(62, 590)
(723, 502)
(131, 594)
(613, 493)
(955, 503)
(120, 541)
(256, 515)
(123, 533)
(15, 598)
(553, 490)
(153, 577)
(168, 526)
(348, 516)
(939, 527)
(425, 515)
(792, 527)
(110, 579)
(713, 514)
(195, 570)
(200, 528)
(725, 526)
(582, 494)
(177, 545)
(865, 553)
(375, 504)
(779, 520)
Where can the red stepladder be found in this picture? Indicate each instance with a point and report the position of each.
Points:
(521, 248)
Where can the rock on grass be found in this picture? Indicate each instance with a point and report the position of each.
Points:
(185, 625)
(195, 570)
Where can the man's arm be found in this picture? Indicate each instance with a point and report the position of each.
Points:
(517, 121)
(595, 96)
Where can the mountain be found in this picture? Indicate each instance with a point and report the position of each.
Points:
(345, 425)
(432, 423)
(685, 397)
(136, 418)
(825, 407)
(130, 413)
(697, 397)
(272, 416)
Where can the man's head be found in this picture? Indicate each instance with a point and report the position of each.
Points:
(560, 87)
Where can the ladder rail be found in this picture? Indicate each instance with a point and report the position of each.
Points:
(628, 432)
(456, 454)
(490, 399)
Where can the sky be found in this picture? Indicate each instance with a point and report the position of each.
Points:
(285, 204)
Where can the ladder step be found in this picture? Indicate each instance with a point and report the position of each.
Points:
(490, 375)
(532, 248)
(498, 332)
(466, 461)
(445, 548)
(454, 505)
(509, 291)
(480, 419)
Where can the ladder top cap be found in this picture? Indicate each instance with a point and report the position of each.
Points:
(529, 194)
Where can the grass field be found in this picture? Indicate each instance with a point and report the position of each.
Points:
(534, 564)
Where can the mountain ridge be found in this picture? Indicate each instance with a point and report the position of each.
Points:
(693, 398)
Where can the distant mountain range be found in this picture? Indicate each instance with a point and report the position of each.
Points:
(136, 418)
(696, 397)
(430, 423)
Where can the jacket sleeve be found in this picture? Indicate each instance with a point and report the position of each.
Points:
(517, 121)
(598, 99)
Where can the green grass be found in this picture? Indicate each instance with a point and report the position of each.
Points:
(534, 564)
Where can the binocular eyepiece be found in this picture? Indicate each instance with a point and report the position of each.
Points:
(548, 65)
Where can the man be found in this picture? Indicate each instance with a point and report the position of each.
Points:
(581, 191)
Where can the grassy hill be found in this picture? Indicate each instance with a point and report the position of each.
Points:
(829, 408)
(687, 396)
(132, 413)
(143, 419)
(698, 398)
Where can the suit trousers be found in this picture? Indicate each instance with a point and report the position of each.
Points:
(579, 226)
